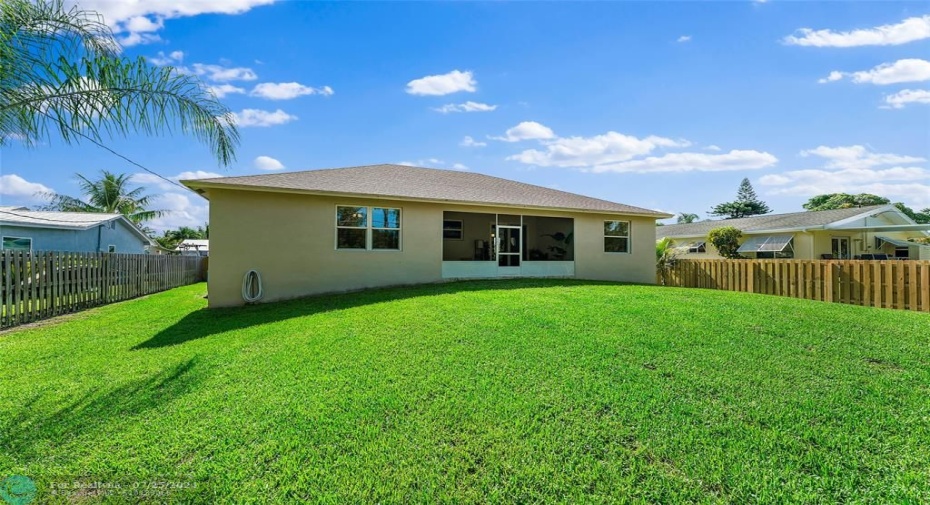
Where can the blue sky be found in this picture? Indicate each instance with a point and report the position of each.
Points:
(662, 105)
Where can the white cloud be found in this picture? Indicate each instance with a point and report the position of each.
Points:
(257, 117)
(135, 39)
(174, 57)
(434, 163)
(195, 174)
(905, 96)
(220, 73)
(150, 181)
(909, 30)
(470, 142)
(857, 156)
(423, 162)
(911, 184)
(527, 130)
(694, 162)
(713, 147)
(144, 24)
(221, 90)
(906, 70)
(832, 77)
(183, 209)
(444, 84)
(610, 147)
(287, 90)
(465, 107)
(855, 169)
(267, 163)
(135, 21)
(847, 176)
(15, 186)
(684, 38)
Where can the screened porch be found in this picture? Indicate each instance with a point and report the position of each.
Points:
(476, 245)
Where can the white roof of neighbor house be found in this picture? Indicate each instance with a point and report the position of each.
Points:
(794, 221)
(195, 244)
(21, 216)
(76, 220)
(424, 184)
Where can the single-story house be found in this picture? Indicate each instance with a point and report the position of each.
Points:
(194, 247)
(875, 232)
(345, 229)
(30, 230)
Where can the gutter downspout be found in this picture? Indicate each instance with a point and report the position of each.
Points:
(99, 236)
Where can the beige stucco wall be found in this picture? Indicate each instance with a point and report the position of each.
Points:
(290, 240)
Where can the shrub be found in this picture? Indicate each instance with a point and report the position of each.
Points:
(726, 240)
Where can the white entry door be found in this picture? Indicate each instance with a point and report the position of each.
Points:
(509, 250)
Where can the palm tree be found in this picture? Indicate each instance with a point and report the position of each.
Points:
(666, 255)
(110, 194)
(687, 218)
(171, 238)
(61, 72)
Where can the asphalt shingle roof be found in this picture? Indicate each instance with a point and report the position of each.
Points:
(794, 220)
(405, 182)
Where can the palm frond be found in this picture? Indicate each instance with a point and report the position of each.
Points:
(61, 74)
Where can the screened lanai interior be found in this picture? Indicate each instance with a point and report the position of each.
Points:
(507, 244)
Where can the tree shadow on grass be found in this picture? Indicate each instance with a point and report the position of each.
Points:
(28, 430)
(207, 322)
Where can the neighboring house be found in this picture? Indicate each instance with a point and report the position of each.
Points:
(867, 232)
(194, 247)
(29, 230)
(345, 229)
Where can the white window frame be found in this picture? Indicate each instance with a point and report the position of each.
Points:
(3, 239)
(460, 229)
(628, 236)
(695, 247)
(369, 228)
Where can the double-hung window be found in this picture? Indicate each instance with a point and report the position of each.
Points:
(367, 228)
(617, 236)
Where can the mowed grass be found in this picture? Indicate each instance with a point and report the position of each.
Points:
(502, 391)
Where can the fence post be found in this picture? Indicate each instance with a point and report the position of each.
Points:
(828, 282)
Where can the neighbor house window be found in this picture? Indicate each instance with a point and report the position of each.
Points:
(452, 229)
(17, 243)
(617, 236)
(367, 228)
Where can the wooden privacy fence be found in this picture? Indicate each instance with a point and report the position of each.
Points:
(889, 284)
(38, 285)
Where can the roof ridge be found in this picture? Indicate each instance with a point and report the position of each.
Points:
(411, 181)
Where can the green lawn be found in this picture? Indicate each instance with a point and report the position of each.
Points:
(502, 391)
